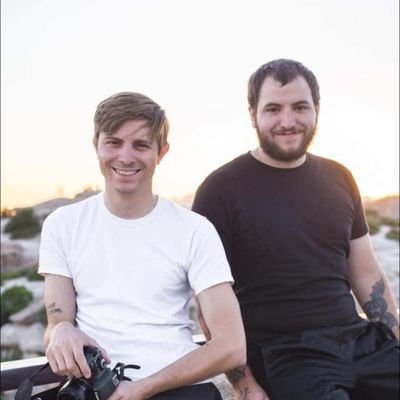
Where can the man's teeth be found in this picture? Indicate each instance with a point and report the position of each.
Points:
(126, 172)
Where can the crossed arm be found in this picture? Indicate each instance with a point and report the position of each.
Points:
(224, 350)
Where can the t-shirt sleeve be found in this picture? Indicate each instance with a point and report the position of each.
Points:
(52, 254)
(208, 265)
(360, 225)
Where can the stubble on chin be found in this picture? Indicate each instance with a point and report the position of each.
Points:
(275, 151)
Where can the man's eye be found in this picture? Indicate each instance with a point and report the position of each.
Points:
(143, 145)
(302, 108)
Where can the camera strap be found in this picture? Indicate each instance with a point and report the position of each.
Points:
(24, 391)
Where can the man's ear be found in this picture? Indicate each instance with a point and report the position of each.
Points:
(253, 117)
(163, 151)
(95, 141)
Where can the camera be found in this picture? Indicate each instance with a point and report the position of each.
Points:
(99, 386)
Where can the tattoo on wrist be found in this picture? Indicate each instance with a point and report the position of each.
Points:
(236, 375)
(244, 393)
(53, 309)
(377, 309)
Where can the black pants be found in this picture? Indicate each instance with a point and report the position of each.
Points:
(202, 391)
(358, 362)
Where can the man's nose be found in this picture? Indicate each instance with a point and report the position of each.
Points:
(288, 119)
(127, 154)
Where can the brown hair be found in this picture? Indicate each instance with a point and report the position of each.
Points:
(284, 71)
(112, 112)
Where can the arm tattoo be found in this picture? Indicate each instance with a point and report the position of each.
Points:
(244, 394)
(377, 309)
(236, 375)
(53, 309)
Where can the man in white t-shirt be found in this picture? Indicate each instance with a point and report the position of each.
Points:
(121, 267)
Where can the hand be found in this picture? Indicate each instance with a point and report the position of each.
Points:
(65, 350)
(251, 391)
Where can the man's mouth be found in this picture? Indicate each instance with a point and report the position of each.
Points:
(126, 171)
(286, 133)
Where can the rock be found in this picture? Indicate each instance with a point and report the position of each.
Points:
(11, 255)
(387, 207)
(9, 338)
(32, 339)
(29, 339)
(19, 254)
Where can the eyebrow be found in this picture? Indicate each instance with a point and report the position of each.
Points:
(297, 103)
(301, 102)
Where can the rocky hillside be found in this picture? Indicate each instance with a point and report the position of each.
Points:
(387, 207)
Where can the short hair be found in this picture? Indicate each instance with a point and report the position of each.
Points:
(284, 71)
(112, 112)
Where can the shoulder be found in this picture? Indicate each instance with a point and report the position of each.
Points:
(181, 214)
(228, 174)
(75, 211)
(237, 165)
(335, 172)
(328, 164)
(183, 218)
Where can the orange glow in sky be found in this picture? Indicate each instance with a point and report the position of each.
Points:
(60, 59)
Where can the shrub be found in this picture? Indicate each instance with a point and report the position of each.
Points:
(24, 225)
(14, 299)
(11, 355)
(30, 273)
(374, 221)
(394, 234)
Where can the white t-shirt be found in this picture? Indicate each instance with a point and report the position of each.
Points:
(134, 278)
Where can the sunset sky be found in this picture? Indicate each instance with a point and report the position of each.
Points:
(60, 58)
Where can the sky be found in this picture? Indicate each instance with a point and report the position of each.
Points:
(60, 58)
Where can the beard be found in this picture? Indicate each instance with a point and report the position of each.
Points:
(276, 152)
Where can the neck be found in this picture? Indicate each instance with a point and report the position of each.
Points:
(261, 156)
(130, 207)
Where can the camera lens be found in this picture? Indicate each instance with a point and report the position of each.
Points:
(75, 389)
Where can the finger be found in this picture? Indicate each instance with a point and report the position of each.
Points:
(81, 362)
(72, 366)
(60, 366)
(52, 362)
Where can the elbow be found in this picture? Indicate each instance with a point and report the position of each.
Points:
(236, 355)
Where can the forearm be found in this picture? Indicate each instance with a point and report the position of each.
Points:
(370, 285)
(380, 305)
(225, 348)
(213, 358)
(59, 301)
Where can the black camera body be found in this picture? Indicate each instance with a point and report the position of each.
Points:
(99, 386)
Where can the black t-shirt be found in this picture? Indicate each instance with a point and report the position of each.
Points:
(286, 233)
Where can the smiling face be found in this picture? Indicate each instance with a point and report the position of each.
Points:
(285, 120)
(128, 159)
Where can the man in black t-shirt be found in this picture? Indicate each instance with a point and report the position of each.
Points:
(295, 234)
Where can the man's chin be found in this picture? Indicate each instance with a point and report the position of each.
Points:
(284, 156)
